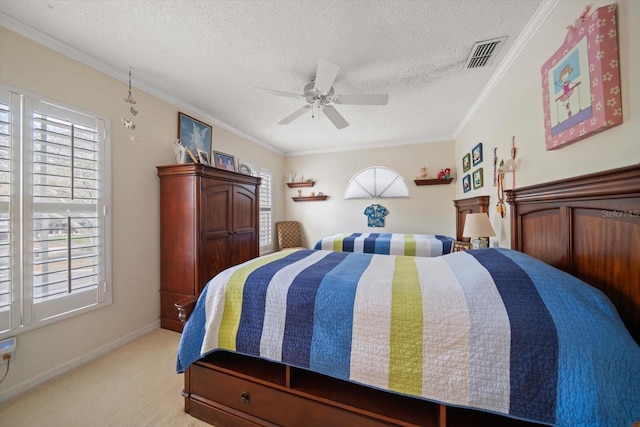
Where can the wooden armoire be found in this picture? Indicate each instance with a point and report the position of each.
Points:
(208, 222)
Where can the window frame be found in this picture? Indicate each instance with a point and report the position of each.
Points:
(26, 313)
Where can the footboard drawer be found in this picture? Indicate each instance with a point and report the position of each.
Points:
(223, 392)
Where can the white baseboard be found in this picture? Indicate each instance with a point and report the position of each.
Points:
(60, 369)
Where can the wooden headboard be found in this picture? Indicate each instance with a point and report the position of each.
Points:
(588, 226)
(477, 204)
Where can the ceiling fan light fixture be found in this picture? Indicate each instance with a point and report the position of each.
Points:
(319, 94)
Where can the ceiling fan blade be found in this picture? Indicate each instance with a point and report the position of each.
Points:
(279, 92)
(374, 99)
(294, 116)
(325, 75)
(335, 117)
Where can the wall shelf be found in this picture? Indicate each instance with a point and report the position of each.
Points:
(441, 181)
(300, 184)
(309, 198)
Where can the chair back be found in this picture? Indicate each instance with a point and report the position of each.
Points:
(288, 234)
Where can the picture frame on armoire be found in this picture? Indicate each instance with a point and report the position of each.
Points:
(195, 136)
(224, 161)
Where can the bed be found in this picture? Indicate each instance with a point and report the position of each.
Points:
(588, 226)
(424, 245)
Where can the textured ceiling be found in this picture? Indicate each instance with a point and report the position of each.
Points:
(203, 55)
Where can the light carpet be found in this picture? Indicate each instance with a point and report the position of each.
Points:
(133, 385)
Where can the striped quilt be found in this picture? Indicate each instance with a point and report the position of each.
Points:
(426, 245)
(489, 329)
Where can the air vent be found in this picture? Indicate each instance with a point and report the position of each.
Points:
(483, 52)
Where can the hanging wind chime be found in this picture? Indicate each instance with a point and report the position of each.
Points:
(128, 122)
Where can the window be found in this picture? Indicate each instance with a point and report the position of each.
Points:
(376, 182)
(265, 206)
(54, 199)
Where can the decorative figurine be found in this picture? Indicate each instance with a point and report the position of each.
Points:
(423, 172)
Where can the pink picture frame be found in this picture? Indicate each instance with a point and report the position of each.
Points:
(581, 81)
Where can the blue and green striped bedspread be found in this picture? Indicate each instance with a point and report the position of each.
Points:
(426, 245)
(489, 329)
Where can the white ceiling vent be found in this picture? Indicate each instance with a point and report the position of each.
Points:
(483, 52)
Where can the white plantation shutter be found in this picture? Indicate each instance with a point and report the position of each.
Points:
(5, 210)
(265, 206)
(63, 261)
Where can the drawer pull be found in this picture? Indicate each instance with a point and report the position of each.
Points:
(245, 397)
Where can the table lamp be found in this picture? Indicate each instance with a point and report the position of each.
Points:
(478, 227)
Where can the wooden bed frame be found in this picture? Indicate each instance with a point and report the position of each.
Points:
(588, 226)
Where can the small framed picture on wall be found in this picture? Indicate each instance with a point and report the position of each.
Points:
(466, 162)
(477, 179)
(476, 154)
(466, 183)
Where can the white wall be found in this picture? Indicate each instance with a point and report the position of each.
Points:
(136, 258)
(429, 209)
(515, 108)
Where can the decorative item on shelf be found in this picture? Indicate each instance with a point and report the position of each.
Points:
(179, 151)
(291, 176)
(192, 156)
(224, 161)
(299, 193)
(444, 173)
(128, 122)
(581, 81)
(244, 169)
(195, 136)
(203, 157)
(423, 173)
(478, 228)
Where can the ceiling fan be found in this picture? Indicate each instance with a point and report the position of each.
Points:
(319, 95)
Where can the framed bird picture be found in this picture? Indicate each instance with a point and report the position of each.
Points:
(195, 136)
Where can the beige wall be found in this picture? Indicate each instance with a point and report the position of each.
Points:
(135, 217)
(514, 108)
(429, 209)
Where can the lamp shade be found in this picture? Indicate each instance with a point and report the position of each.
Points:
(477, 225)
